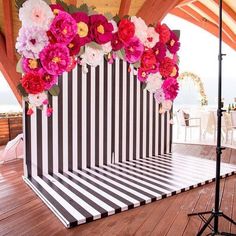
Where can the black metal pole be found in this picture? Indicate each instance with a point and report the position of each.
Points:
(219, 114)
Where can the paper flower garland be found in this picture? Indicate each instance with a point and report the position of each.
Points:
(54, 38)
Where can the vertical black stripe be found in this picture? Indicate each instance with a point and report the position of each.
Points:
(127, 111)
(60, 126)
(147, 122)
(159, 131)
(141, 123)
(70, 121)
(39, 142)
(120, 109)
(165, 132)
(97, 116)
(27, 140)
(105, 114)
(88, 107)
(113, 80)
(134, 117)
(79, 116)
(153, 125)
(171, 129)
(50, 139)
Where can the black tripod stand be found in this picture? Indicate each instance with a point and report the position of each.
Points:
(216, 212)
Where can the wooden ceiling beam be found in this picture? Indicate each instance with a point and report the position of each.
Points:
(8, 29)
(8, 69)
(204, 24)
(212, 15)
(124, 7)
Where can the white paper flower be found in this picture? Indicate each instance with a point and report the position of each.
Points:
(36, 13)
(37, 99)
(152, 38)
(169, 54)
(154, 82)
(166, 106)
(114, 24)
(92, 56)
(106, 47)
(140, 28)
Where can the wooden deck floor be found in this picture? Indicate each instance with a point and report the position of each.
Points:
(23, 213)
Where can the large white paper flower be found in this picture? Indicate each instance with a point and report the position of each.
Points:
(37, 99)
(152, 38)
(166, 106)
(154, 82)
(36, 13)
(140, 28)
(92, 56)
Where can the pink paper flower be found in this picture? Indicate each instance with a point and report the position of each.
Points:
(74, 46)
(37, 100)
(56, 8)
(63, 28)
(152, 38)
(159, 96)
(116, 43)
(170, 88)
(82, 21)
(133, 50)
(142, 74)
(173, 44)
(101, 29)
(29, 64)
(49, 111)
(140, 28)
(49, 80)
(160, 51)
(55, 58)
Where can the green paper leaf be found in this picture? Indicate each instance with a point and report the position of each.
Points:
(92, 10)
(126, 17)
(108, 15)
(22, 90)
(143, 85)
(121, 54)
(54, 91)
(137, 64)
(84, 8)
(19, 68)
(94, 45)
(116, 18)
(47, 1)
(63, 4)
(72, 9)
(82, 49)
(19, 3)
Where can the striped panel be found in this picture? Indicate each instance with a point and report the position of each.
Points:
(81, 196)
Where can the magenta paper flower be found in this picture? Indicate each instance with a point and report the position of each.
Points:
(159, 51)
(49, 80)
(173, 44)
(29, 64)
(63, 28)
(101, 29)
(133, 50)
(142, 74)
(56, 8)
(159, 95)
(82, 34)
(55, 58)
(74, 46)
(116, 43)
(170, 88)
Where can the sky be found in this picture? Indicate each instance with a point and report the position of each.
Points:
(198, 54)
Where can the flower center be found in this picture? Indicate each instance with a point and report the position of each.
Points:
(56, 11)
(100, 29)
(172, 42)
(150, 39)
(157, 52)
(131, 49)
(47, 78)
(71, 45)
(56, 59)
(33, 41)
(143, 74)
(33, 64)
(174, 72)
(82, 30)
(64, 31)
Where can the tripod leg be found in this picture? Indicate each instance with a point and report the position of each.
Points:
(229, 219)
(205, 225)
(200, 213)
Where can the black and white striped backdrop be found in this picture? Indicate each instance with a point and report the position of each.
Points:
(99, 118)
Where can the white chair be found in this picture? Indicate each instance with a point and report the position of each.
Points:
(184, 121)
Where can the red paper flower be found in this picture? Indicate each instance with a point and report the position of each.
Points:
(116, 43)
(170, 88)
(166, 67)
(101, 29)
(175, 72)
(126, 30)
(74, 46)
(148, 60)
(33, 82)
(164, 32)
(173, 44)
(159, 51)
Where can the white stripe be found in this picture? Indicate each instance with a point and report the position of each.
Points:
(109, 111)
(75, 116)
(162, 132)
(156, 128)
(150, 122)
(78, 200)
(101, 116)
(117, 113)
(124, 112)
(65, 120)
(34, 143)
(99, 191)
(45, 140)
(26, 174)
(79, 217)
(55, 133)
(92, 117)
(131, 113)
(144, 121)
(168, 132)
(87, 194)
(138, 120)
(84, 121)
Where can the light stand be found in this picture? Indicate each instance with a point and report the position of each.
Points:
(216, 212)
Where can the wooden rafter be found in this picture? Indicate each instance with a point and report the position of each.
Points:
(8, 28)
(203, 23)
(124, 7)
(212, 15)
